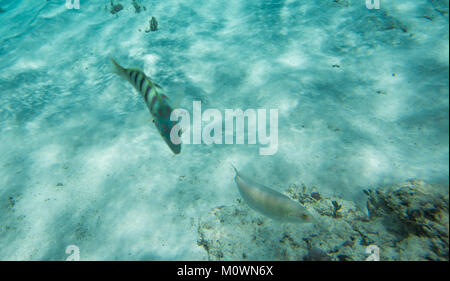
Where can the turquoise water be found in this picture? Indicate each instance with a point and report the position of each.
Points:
(362, 99)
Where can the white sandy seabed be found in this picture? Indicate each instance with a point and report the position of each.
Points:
(362, 98)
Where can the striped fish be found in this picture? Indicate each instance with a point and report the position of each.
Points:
(157, 102)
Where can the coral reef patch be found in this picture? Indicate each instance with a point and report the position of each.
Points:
(406, 221)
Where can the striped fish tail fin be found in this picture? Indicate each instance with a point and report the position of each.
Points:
(119, 70)
(235, 170)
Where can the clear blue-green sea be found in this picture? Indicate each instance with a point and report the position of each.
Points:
(361, 94)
